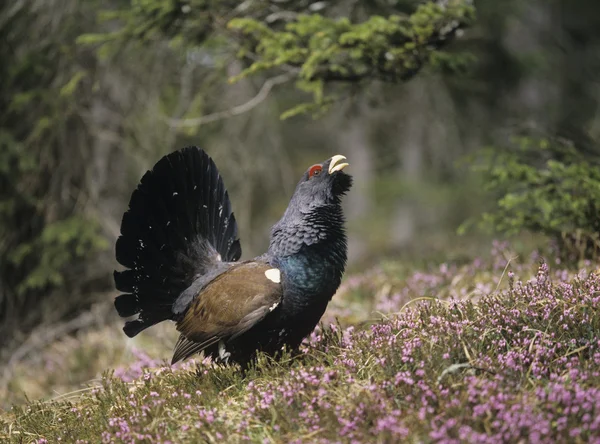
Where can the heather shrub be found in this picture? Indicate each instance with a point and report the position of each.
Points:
(544, 186)
(456, 357)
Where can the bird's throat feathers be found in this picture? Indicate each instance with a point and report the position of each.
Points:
(322, 228)
(311, 250)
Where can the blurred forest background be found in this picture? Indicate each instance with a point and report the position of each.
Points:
(451, 113)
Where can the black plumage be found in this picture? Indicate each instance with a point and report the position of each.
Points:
(180, 246)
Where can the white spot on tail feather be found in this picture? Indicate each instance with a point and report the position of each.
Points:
(274, 275)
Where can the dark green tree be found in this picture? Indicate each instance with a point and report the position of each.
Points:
(44, 233)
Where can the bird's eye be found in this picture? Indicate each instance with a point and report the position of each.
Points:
(314, 170)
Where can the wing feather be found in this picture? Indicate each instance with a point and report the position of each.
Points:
(186, 348)
(227, 307)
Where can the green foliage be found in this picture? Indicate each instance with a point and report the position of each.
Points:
(319, 52)
(58, 245)
(545, 186)
(323, 51)
(190, 23)
(40, 252)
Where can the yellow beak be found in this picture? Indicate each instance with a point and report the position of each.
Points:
(334, 165)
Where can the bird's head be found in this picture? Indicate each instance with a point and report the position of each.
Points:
(314, 212)
(321, 185)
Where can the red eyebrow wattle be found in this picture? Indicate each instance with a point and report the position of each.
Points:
(313, 169)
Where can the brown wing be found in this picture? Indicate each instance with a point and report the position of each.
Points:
(228, 306)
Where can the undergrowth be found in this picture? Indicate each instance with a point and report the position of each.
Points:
(485, 352)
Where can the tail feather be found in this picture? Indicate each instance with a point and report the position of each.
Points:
(179, 219)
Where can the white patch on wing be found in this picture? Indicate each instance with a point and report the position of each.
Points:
(274, 306)
(274, 275)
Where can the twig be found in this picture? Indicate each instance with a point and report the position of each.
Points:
(43, 337)
(236, 110)
(454, 368)
(504, 272)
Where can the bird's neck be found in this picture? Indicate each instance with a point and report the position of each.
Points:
(311, 253)
(295, 231)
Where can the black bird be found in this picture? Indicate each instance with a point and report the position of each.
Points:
(180, 246)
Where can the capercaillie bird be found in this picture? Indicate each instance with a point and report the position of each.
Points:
(180, 247)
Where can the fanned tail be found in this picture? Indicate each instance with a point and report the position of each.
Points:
(179, 225)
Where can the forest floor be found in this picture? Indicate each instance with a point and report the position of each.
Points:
(504, 348)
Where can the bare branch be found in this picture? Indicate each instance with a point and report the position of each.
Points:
(43, 336)
(236, 110)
